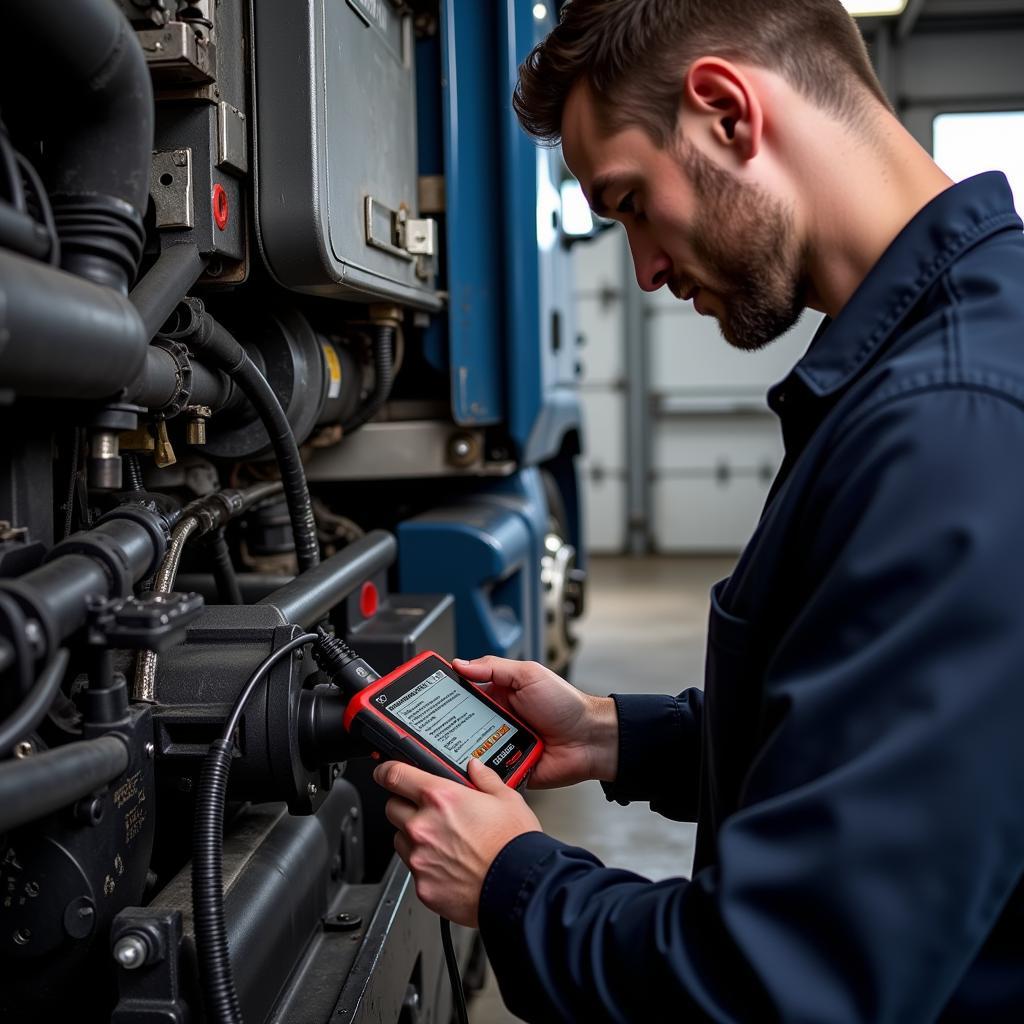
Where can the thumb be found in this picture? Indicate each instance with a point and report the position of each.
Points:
(485, 779)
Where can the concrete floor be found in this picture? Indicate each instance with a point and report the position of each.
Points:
(644, 632)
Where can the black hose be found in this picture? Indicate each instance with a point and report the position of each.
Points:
(98, 116)
(33, 708)
(211, 935)
(33, 787)
(454, 974)
(166, 283)
(384, 378)
(12, 623)
(202, 333)
(228, 590)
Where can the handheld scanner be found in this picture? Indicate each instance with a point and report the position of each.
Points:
(425, 714)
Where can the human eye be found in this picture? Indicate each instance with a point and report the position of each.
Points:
(628, 204)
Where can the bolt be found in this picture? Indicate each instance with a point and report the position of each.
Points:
(195, 429)
(150, 750)
(131, 951)
(21, 936)
(24, 749)
(31, 888)
(312, 789)
(179, 158)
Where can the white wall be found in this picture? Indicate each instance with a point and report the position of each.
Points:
(714, 445)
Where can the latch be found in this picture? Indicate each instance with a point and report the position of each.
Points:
(396, 233)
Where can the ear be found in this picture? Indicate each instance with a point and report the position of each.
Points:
(721, 102)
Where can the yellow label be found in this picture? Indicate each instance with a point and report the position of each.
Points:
(333, 371)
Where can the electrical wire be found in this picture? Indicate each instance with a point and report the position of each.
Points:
(454, 975)
(214, 958)
(42, 202)
(8, 160)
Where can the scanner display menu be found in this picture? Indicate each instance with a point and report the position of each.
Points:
(446, 715)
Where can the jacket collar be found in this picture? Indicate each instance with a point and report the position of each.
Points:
(937, 237)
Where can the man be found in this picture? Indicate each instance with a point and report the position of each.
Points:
(856, 764)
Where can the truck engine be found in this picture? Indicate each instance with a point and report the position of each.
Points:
(286, 346)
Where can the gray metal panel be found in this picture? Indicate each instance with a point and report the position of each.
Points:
(335, 95)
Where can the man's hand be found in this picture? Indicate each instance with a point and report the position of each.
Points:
(580, 732)
(448, 834)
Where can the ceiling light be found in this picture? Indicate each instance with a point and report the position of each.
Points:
(540, 12)
(874, 8)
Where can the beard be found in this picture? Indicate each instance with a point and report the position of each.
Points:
(747, 240)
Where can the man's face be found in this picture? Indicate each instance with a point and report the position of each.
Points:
(728, 245)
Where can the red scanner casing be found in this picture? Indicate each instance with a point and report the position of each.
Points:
(392, 740)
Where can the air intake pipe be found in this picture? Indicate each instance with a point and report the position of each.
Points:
(99, 115)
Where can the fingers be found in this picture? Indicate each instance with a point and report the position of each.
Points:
(403, 847)
(404, 780)
(399, 812)
(500, 671)
(487, 780)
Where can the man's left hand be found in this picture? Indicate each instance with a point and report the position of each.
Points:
(448, 835)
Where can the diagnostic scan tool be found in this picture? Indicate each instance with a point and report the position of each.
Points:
(426, 714)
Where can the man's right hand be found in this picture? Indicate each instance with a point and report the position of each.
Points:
(580, 732)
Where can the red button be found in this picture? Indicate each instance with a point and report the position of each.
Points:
(512, 760)
(369, 600)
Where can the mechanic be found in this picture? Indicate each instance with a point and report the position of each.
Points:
(856, 762)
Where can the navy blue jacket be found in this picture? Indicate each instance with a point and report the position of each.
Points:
(856, 762)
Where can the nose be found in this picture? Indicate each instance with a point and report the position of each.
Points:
(652, 265)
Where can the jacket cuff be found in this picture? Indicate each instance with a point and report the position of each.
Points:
(650, 730)
(508, 883)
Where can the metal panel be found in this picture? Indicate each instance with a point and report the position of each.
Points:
(476, 299)
(335, 92)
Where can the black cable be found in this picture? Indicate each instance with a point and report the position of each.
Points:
(12, 624)
(133, 470)
(228, 589)
(211, 936)
(8, 159)
(383, 368)
(454, 975)
(44, 208)
(206, 336)
(32, 710)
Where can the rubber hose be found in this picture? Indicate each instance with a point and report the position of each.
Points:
(211, 935)
(210, 337)
(228, 589)
(384, 378)
(33, 708)
(36, 786)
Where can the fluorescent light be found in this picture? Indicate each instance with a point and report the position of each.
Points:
(874, 8)
(540, 12)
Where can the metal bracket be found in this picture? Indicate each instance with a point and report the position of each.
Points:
(170, 184)
(232, 153)
(177, 55)
(398, 234)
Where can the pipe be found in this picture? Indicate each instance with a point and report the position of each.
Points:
(159, 382)
(99, 146)
(202, 516)
(33, 787)
(205, 336)
(311, 596)
(166, 283)
(88, 345)
(384, 376)
(253, 586)
(32, 710)
(106, 561)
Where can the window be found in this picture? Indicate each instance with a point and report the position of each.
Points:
(968, 144)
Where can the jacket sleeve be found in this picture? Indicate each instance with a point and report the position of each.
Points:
(659, 752)
(881, 830)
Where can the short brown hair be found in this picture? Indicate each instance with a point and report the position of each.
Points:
(632, 53)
